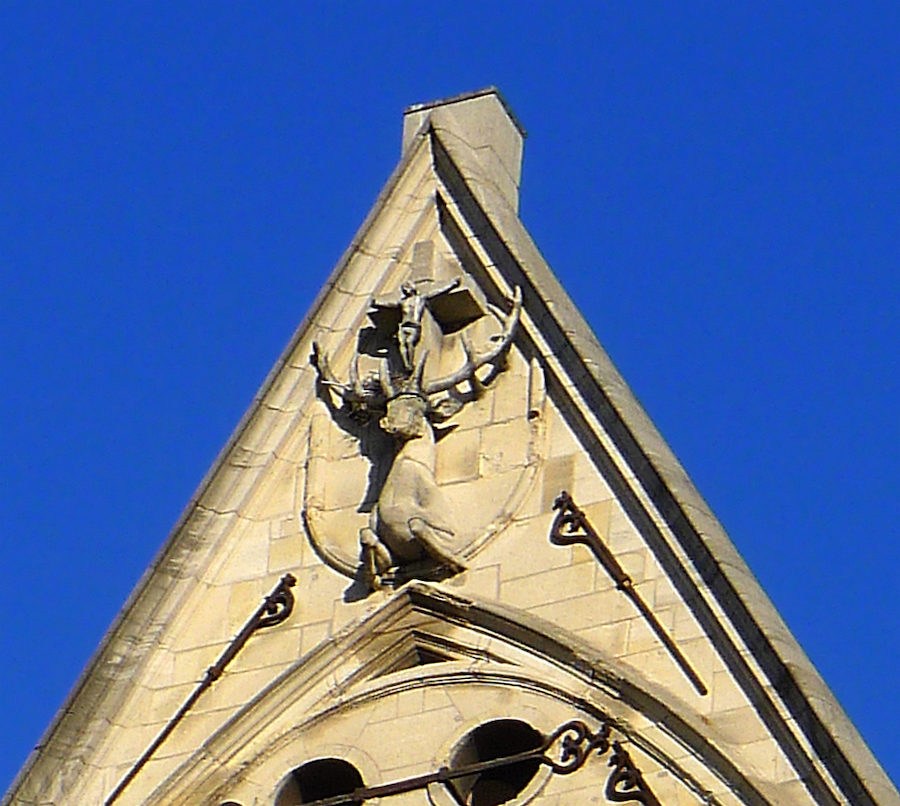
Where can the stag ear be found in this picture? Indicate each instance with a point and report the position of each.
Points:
(444, 409)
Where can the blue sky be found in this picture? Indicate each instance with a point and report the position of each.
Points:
(716, 184)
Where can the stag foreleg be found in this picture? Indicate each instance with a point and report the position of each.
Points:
(375, 559)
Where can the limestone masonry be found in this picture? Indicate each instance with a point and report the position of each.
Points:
(447, 559)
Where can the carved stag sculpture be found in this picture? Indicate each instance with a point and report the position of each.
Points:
(410, 529)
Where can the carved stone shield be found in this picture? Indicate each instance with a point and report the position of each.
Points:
(485, 457)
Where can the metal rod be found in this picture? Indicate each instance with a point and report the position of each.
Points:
(576, 744)
(572, 742)
(275, 608)
(572, 526)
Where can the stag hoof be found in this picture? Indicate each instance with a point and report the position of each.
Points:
(372, 581)
(374, 559)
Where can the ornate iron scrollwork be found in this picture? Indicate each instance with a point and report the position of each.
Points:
(625, 783)
(576, 744)
(564, 751)
(278, 605)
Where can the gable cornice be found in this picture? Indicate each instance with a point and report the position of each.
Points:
(344, 672)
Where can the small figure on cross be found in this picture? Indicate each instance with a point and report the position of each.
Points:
(412, 307)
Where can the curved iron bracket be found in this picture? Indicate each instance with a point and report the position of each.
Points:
(565, 750)
(275, 608)
(571, 526)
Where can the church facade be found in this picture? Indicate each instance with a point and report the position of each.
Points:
(446, 559)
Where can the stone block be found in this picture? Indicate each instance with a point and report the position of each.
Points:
(511, 404)
(664, 593)
(725, 694)
(319, 436)
(270, 647)
(343, 482)
(411, 702)
(242, 456)
(622, 536)
(347, 313)
(686, 627)
(283, 393)
(613, 605)
(528, 551)
(657, 664)
(435, 699)
(483, 582)
(342, 445)
(229, 487)
(164, 703)
(702, 655)
(201, 621)
(394, 754)
(598, 515)
(473, 124)
(286, 526)
(243, 601)
(236, 688)
(457, 456)
(742, 726)
(313, 634)
(588, 485)
(558, 474)
(642, 637)
(139, 710)
(633, 562)
(477, 706)
(574, 614)
(274, 495)
(549, 585)
(611, 638)
(191, 664)
(293, 448)
(193, 730)
(561, 440)
(263, 432)
(161, 673)
(316, 595)
(531, 505)
(503, 449)
(248, 556)
(784, 770)
(581, 554)
(287, 553)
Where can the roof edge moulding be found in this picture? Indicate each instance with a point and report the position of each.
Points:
(444, 543)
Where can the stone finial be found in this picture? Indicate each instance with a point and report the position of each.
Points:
(483, 121)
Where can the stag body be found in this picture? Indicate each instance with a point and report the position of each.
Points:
(410, 528)
(411, 521)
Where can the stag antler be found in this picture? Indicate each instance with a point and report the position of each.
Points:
(353, 393)
(474, 361)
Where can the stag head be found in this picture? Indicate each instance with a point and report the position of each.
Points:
(407, 402)
(406, 417)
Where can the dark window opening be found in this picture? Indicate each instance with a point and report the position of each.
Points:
(424, 656)
(322, 778)
(492, 740)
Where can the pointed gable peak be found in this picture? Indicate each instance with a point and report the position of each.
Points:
(445, 580)
(485, 125)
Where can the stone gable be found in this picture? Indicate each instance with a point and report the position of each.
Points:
(405, 464)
